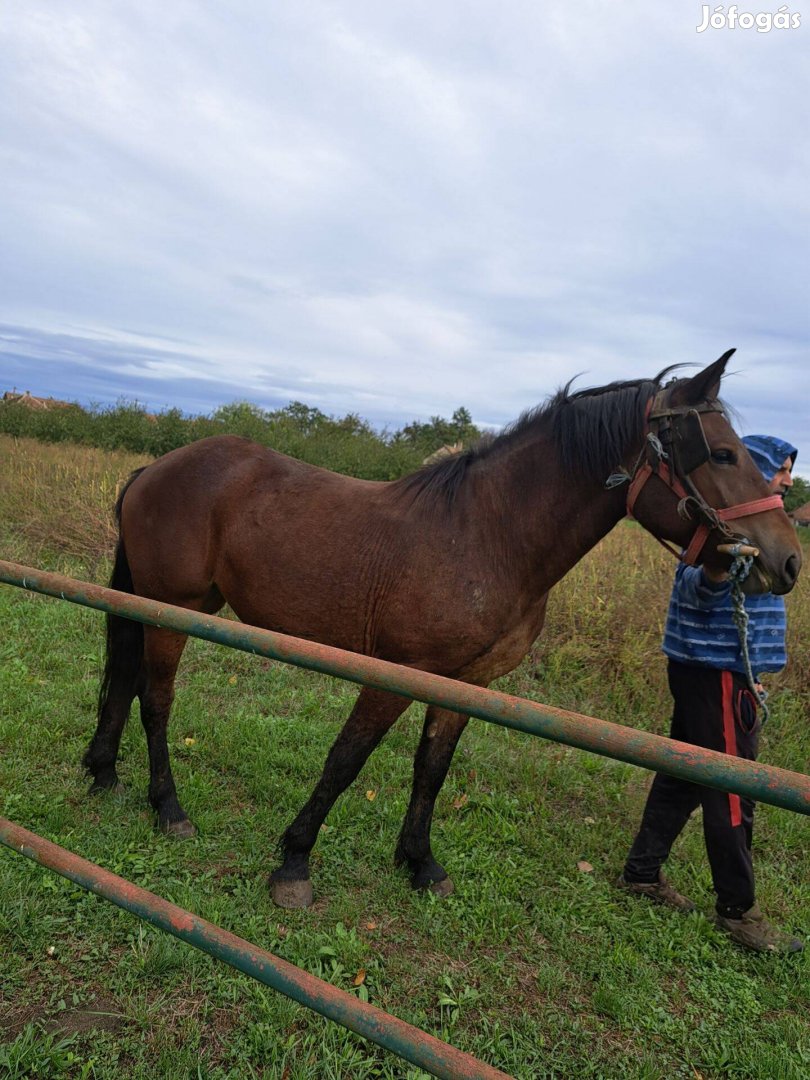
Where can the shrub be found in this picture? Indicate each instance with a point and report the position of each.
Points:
(348, 444)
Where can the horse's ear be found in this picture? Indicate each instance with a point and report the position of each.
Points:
(705, 386)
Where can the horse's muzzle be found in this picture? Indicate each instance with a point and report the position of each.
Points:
(790, 574)
(762, 580)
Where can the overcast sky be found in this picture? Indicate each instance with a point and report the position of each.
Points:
(398, 208)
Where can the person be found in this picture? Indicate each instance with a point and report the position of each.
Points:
(714, 707)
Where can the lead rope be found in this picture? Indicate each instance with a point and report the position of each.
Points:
(738, 572)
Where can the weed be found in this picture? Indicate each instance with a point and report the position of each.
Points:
(34, 1052)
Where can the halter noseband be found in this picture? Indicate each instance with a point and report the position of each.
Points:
(675, 435)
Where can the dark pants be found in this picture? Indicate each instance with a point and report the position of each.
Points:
(714, 709)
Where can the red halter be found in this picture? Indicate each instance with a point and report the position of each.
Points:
(691, 502)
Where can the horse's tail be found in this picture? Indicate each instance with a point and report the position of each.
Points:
(124, 653)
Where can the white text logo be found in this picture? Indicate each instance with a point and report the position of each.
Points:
(762, 21)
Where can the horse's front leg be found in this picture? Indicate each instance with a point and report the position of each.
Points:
(374, 712)
(440, 735)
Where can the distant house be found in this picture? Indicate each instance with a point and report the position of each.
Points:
(801, 515)
(41, 404)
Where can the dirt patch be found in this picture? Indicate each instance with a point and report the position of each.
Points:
(102, 1015)
(13, 1020)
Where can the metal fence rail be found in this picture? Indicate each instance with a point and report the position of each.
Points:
(380, 1027)
(764, 783)
(768, 784)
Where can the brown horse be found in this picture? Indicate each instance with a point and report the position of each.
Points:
(447, 570)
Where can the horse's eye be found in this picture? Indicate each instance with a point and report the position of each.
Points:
(724, 457)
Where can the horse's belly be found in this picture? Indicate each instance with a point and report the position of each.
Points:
(503, 656)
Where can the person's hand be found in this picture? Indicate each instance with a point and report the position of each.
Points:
(715, 575)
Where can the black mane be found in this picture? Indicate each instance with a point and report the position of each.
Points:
(591, 429)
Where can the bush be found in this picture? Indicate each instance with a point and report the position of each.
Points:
(348, 444)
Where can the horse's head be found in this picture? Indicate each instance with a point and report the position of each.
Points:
(696, 485)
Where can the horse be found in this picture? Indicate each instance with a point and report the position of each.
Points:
(447, 569)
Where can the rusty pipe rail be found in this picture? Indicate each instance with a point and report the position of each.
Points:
(411, 1043)
(766, 783)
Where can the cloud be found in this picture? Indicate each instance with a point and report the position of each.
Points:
(397, 209)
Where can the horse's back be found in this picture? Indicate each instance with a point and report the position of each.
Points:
(224, 471)
(272, 533)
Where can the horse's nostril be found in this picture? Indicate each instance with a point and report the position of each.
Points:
(792, 567)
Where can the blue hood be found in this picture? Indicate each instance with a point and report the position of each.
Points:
(769, 453)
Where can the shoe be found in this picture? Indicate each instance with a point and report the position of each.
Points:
(753, 931)
(659, 891)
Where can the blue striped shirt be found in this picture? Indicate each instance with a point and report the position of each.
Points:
(700, 629)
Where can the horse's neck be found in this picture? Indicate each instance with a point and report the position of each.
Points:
(552, 517)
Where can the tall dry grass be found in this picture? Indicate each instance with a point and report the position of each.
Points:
(57, 500)
(599, 652)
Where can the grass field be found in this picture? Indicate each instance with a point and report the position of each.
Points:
(538, 967)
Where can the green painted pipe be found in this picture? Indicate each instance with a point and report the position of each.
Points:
(765, 783)
(416, 1046)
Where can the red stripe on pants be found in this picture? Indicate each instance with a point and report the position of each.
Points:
(730, 739)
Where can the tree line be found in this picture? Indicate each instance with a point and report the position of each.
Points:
(347, 444)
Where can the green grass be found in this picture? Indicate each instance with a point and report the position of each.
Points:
(534, 966)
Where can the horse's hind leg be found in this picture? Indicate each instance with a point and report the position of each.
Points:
(102, 754)
(440, 736)
(373, 714)
(162, 651)
(123, 672)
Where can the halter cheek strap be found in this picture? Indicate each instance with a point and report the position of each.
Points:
(643, 475)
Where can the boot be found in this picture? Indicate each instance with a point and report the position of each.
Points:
(661, 892)
(753, 931)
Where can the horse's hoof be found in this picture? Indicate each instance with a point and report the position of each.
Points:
(180, 830)
(116, 788)
(445, 887)
(292, 894)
